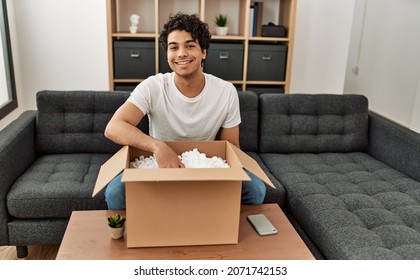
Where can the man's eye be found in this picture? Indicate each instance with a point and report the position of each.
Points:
(190, 46)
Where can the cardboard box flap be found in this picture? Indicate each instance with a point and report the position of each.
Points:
(184, 174)
(110, 169)
(251, 165)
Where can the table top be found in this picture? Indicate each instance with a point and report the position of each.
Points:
(87, 237)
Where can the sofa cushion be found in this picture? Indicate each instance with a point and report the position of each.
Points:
(248, 129)
(353, 206)
(75, 121)
(316, 123)
(55, 185)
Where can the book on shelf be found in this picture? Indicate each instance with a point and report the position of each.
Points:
(251, 21)
(256, 18)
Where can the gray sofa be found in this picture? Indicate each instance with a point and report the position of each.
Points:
(347, 179)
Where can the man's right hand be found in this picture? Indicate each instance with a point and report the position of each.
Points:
(166, 157)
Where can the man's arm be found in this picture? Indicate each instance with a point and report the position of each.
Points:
(122, 129)
(231, 135)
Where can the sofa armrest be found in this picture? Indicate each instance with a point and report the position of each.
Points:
(395, 145)
(17, 152)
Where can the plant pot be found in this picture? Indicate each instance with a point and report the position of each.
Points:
(221, 30)
(116, 233)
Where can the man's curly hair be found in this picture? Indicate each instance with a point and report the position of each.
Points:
(191, 23)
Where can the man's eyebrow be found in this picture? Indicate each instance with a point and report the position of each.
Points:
(186, 42)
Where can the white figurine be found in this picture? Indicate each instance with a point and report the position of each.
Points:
(134, 19)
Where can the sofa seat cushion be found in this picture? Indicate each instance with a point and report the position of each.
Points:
(351, 205)
(55, 185)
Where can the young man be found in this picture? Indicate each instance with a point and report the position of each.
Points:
(185, 104)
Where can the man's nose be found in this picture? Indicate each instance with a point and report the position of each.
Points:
(182, 51)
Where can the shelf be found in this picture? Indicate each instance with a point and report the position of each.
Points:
(134, 35)
(271, 39)
(154, 13)
(227, 37)
(128, 81)
(213, 37)
(281, 83)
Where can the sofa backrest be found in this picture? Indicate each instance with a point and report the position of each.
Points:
(75, 121)
(248, 129)
(313, 123)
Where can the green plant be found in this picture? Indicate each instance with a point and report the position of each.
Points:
(220, 20)
(116, 221)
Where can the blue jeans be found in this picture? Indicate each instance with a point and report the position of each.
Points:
(253, 192)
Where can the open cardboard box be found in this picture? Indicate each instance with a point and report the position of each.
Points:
(182, 206)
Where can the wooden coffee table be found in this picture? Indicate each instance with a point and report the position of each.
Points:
(87, 237)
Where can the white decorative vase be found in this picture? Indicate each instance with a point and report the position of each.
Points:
(221, 30)
(116, 233)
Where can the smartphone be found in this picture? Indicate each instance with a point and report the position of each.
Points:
(261, 224)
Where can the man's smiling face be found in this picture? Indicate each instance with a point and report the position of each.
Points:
(184, 53)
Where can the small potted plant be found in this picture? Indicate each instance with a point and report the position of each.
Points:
(221, 24)
(116, 226)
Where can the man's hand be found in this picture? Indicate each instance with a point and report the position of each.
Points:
(166, 157)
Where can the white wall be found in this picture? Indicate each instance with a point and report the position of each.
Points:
(58, 44)
(415, 118)
(322, 36)
(62, 45)
(386, 50)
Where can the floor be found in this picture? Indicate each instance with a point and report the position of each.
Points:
(35, 252)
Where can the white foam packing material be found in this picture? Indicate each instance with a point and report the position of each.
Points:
(190, 159)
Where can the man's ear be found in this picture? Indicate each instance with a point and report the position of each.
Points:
(203, 58)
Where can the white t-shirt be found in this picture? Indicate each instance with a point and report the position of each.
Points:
(175, 117)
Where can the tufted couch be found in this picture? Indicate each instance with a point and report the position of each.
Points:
(351, 177)
(347, 179)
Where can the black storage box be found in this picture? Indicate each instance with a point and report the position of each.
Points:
(163, 61)
(266, 62)
(225, 60)
(125, 87)
(134, 59)
(272, 30)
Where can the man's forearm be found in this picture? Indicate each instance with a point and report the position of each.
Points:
(126, 134)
